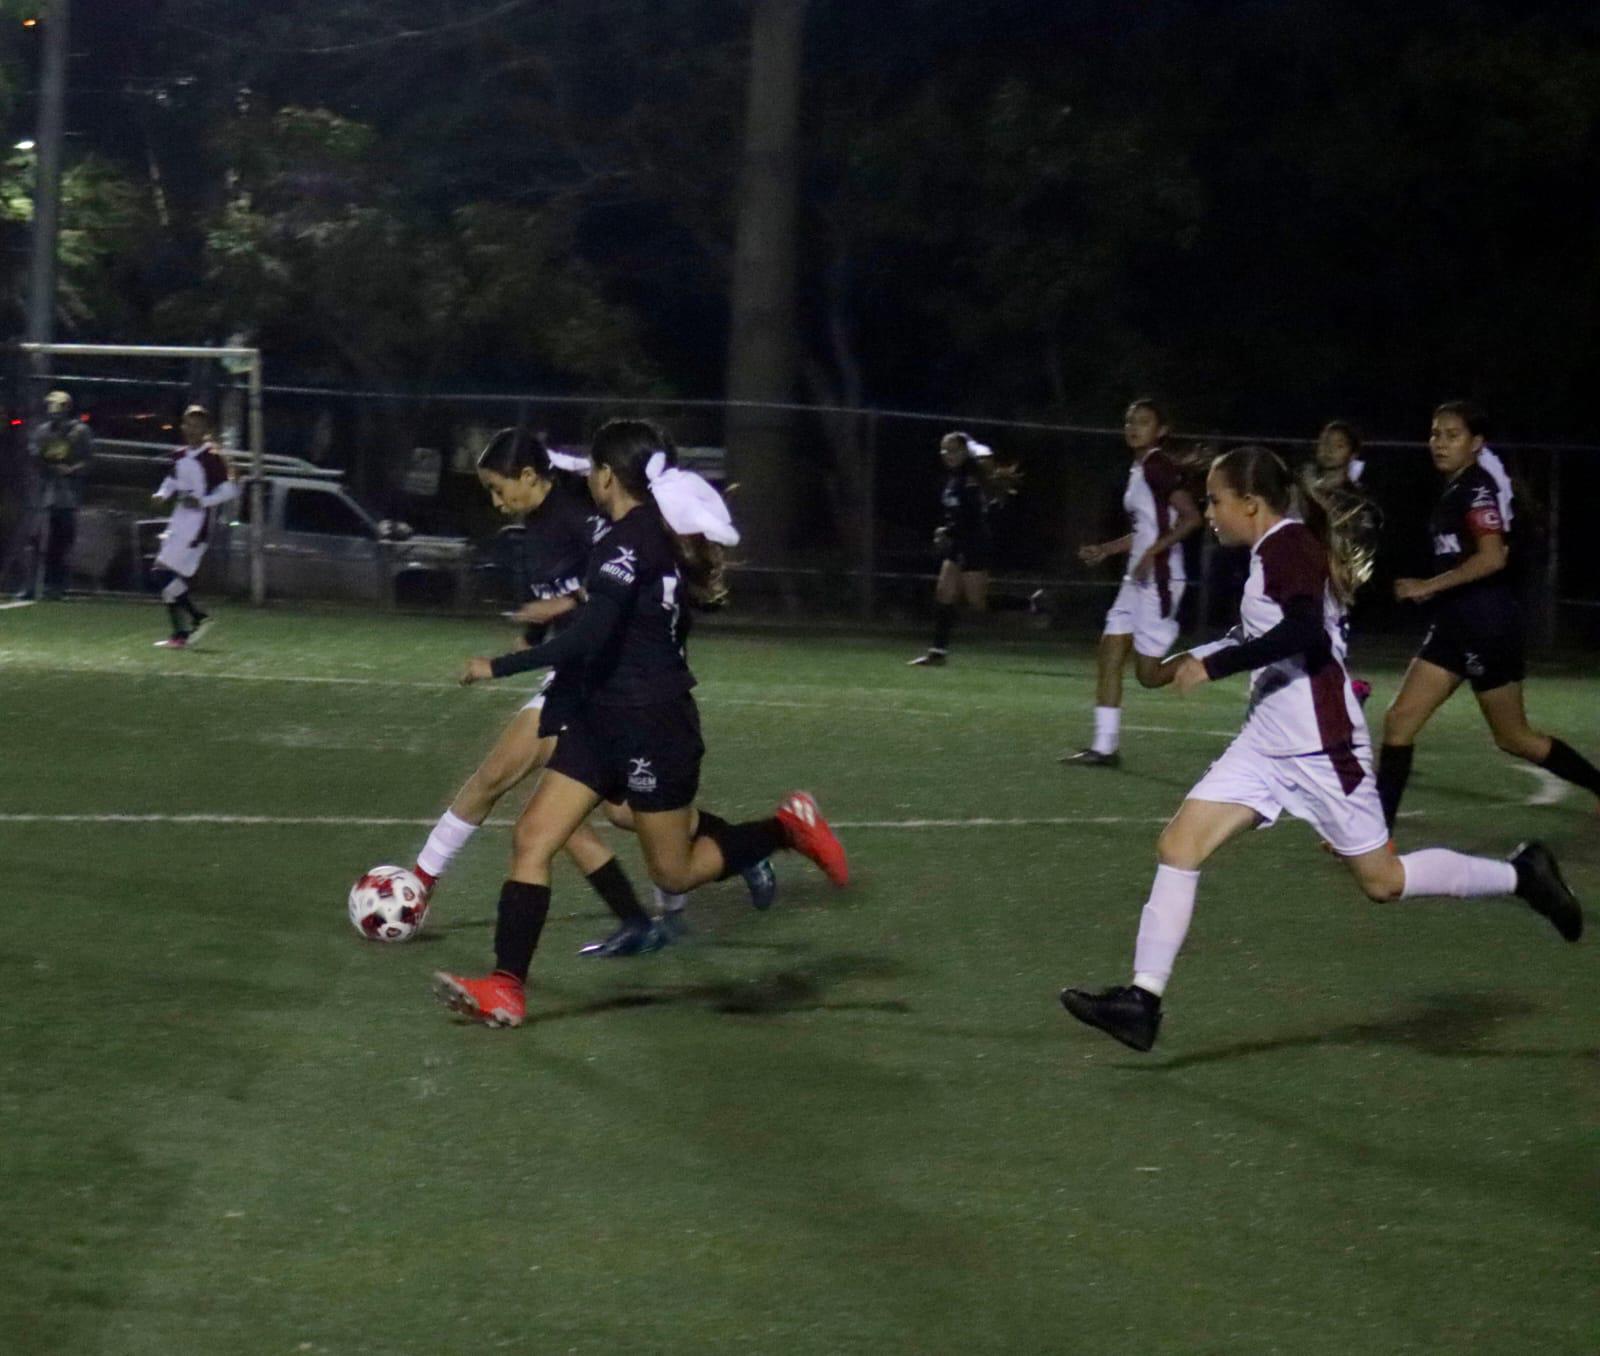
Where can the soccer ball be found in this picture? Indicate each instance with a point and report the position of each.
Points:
(387, 904)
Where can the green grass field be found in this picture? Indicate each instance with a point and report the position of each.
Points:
(857, 1124)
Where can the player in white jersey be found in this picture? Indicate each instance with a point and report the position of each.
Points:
(199, 480)
(1304, 748)
(1143, 619)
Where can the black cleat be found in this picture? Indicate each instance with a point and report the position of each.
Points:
(933, 659)
(1131, 1014)
(629, 941)
(1539, 883)
(1089, 758)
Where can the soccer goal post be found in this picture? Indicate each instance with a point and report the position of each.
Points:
(244, 362)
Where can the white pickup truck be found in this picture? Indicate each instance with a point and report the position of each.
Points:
(320, 543)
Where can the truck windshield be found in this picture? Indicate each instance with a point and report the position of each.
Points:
(322, 512)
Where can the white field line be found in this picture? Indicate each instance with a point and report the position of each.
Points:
(709, 695)
(16, 602)
(1552, 790)
(377, 822)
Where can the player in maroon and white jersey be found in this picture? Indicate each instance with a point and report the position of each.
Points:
(1475, 634)
(1304, 748)
(199, 480)
(1143, 620)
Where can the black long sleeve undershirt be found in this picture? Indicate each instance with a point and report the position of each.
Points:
(587, 635)
(1300, 632)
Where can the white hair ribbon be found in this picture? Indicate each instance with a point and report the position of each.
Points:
(1356, 469)
(688, 503)
(979, 450)
(569, 461)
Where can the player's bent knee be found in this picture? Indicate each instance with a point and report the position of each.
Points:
(1176, 849)
(532, 843)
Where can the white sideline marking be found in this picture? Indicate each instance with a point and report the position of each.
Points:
(1180, 729)
(16, 602)
(1552, 790)
(376, 822)
(711, 696)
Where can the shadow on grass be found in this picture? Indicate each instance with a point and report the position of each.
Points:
(799, 988)
(1451, 1026)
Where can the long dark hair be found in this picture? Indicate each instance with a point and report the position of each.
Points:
(1468, 413)
(512, 451)
(625, 447)
(1262, 472)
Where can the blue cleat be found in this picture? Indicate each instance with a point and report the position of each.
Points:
(762, 881)
(629, 941)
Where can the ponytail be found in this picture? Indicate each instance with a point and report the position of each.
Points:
(627, 447)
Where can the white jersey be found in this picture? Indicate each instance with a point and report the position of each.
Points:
(197, 473)
(1302, 703)
(1152, 481)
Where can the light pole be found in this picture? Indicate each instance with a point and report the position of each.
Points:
(47, 179)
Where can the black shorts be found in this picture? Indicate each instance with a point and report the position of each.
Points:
(562, 698)
(1487, 657)
(648, 756)
(970, 557)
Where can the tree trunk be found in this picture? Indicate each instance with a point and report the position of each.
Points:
(762, 352)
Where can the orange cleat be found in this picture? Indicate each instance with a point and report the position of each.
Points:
(808, 834)
(494, 1000)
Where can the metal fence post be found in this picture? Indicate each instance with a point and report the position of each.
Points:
(1552, 563)
(869, 514)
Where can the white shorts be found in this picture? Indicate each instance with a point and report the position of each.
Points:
(1310, 786)
(1137, 611)
(536, 702)
(179, 558)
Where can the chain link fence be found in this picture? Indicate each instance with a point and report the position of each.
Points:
(377, 502)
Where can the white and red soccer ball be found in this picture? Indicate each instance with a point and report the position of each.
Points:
(387, 904)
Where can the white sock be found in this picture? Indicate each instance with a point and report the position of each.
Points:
(449, 836)
(1163, 926)
(1107, 725)
(1438, 871)
(669, 903)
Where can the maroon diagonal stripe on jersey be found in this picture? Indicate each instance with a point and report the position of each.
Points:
(1161, 476)
(1294, 564)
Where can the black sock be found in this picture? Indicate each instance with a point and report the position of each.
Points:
(1571, 766)
(195, 614)
(611, 883)
(944, 618)
(518, 923)
(742, 845)
(1394, 771)
(176, 613)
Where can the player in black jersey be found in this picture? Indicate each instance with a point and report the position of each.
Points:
(1476, 629)
(559, 531)
(635, 734)
(963, 537)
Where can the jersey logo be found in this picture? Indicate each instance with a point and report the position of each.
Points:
(641, 776)
(1446, 544)
(622, 567)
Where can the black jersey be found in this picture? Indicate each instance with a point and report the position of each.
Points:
(642, 661)
(556, 540)
(965, 505)
(1468, 509)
